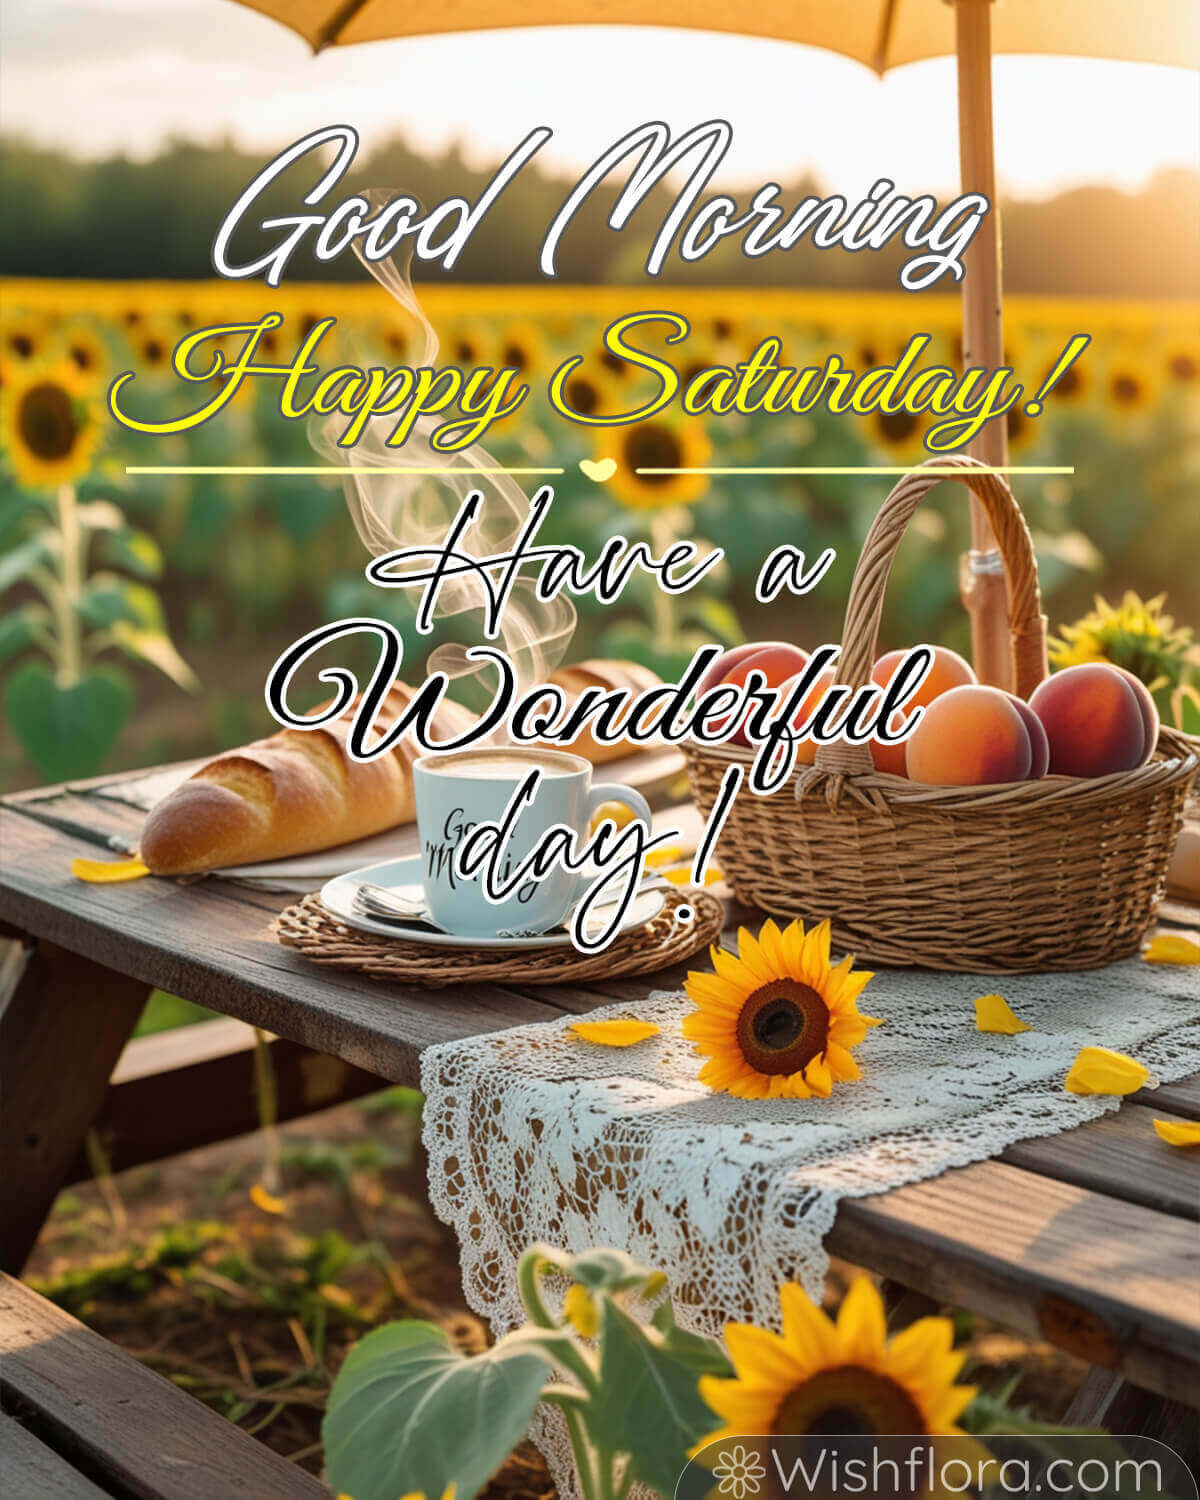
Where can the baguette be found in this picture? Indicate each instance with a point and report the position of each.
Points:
(293, 793)
(607, 675)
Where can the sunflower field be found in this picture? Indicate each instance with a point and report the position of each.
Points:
(155, 605)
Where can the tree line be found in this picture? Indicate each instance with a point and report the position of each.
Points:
(119, 218)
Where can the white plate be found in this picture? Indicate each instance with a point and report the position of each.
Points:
(338, 897)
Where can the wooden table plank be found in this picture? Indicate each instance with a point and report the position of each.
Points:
(209, 942)
(1119, 1155)
(31, 1471)
(1104, 1279)
(1181, 1098)
(102, 1409)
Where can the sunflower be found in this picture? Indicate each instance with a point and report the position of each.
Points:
(23, 339)
(590, 389)
(1022, 429)
(819, 1377)
(1130, 385)
(1072, 386)
(1181, 361)
(50, 431)
(658, 444)
(778, 1020)
(612, 363)
(469, 347)
(900, 432)
(153, 344)
(85, 349)
(521, 347)
(393, 334)
(1134, 634)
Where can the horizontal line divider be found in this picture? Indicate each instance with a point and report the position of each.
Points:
(340, 469)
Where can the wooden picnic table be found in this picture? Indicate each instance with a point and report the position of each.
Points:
(1087, 1239)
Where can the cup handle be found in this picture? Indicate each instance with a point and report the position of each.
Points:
(613, 791)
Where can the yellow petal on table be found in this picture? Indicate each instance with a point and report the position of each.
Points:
(617, 812)
(107, 871)
(1178, 1132)
(268, 1202)
(1169, 948)
(683, 876)
(993, 1013)
(666, 854)
(1099, 1071)
(614, 1033)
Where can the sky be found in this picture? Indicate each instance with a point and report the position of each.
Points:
(101, 76)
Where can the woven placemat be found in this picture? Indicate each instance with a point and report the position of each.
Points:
(313, 931)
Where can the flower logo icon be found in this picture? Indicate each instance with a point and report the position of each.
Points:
(739, 1472)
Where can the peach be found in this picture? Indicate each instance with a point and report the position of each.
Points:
(949, 670)
(730, 659)
(1147, 706)
(806, 750)
(776, 663)
(1098, 719)
(970, 736)
(1038, 743)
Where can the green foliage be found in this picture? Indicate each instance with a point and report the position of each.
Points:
(164, 1012)
(994, 1412)
(407, 1412)
(132, 1274)
(410, 1413)
(647, 1402)
(69, 712)
(67, 730)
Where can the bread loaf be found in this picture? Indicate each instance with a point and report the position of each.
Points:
(606, 675)
(293, 793)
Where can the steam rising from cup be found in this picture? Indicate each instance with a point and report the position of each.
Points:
(412, 509)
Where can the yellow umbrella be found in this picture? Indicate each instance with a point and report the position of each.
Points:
(883, 34)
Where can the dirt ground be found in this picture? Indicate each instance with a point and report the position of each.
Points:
(251, 1302)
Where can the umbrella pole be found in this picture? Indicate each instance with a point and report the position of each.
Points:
(981, 574)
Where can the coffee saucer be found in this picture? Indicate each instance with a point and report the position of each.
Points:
(404, 877)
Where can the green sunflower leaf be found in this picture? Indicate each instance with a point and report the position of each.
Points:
(408, 1412)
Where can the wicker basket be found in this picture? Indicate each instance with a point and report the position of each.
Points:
(1059, 873)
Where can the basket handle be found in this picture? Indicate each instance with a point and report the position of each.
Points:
(860, 633)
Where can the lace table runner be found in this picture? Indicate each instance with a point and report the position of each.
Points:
(535, 1135)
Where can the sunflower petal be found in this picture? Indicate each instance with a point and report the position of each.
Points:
(736, 971)
(816, 949)
(841, 1062)
(819, 1078)
(617, 1033)
(737, 1402)
(918, 1347)
(861, 1326)
(809, 1332)
(1178, 1132)
(771, 945)
(268, 1202)
(993, 1014)
(753, 958)
(760, 1357)
(108, 871)
(1168, 948)
(1097, 1070)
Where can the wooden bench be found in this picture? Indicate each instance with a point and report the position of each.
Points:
(83, 1421)
(190, 1087)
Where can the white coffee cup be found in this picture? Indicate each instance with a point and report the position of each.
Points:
(456, 792)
